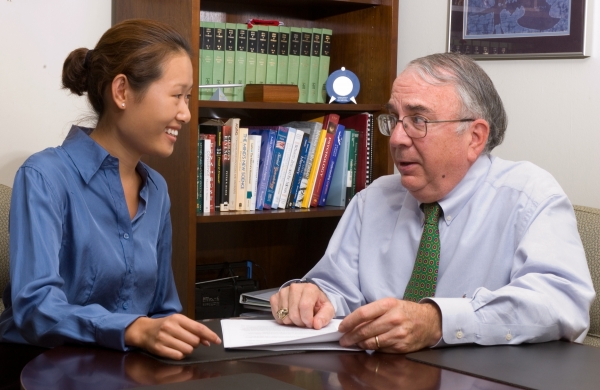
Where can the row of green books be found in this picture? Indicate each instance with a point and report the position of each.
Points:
(299, 164)
(233, 53)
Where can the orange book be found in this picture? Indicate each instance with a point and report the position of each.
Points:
(329, 126)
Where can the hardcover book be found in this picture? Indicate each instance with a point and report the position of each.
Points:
(291, 168)
(242, 170)
(225, 167)
(282, 133)
(209, 171)
(272, 51)
(310, 185)
(206, 58)
(330, 125)
(284, 166)
(283, 55)
(228, 77)
(362, 123)
(215, 127)
(304, 65)
(313, 75)
(253, 167)
(241, 45)
(352, 161)
(251, 56)
(324, 65)
(333, 157)
(200, 178)
(234, 123)
(300, 166)
(267, 145)
(339, 180)
(219, 55)
(294, 55)
(261, 54)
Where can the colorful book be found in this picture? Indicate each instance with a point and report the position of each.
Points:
(313, 75)
(241, 191)
(333, 157)
(272, 51)
(283, 55)
(291, 168)
(206, 58)
(267, 145)
(278, 150)
(253, 168)
(310, 185)
(304, 65)
(200, 177)
(300, 166)
(225, 167)
(363, 124)
(251, 56)
(330, 125)
(324, 61)
(215, 127)
(284, 166)
(234, 123)
(219, 55)
(339, 180)
(206, 173)
(209, 171)
(261, 54)
(239, 72)
(352, 159)
(229, 72)
(294, 55)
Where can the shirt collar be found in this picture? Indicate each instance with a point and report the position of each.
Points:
(88, 156)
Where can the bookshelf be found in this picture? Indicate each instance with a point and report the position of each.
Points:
(285, 243)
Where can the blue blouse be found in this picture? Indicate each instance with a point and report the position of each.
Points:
(81, 269)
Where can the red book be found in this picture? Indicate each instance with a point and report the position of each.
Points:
(213, 144)
(330, 124)
(363, 124)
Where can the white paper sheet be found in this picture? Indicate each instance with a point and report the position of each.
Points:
(269, 335)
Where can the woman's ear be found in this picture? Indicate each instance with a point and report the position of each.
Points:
(119, 91)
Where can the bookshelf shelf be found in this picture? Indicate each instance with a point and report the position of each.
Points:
(285, 243)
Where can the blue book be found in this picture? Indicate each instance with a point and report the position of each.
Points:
(335, 150)
(339, 181)
(299, 172)
(267, 144)
(276, 161)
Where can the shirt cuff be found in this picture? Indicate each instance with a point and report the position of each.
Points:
(459, 323)
(303, 280)
(110, 330)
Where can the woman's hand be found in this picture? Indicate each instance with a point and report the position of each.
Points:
(173, 337)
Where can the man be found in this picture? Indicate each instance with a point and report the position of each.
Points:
(511, 267)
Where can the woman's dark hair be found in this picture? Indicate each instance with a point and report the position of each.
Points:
(136, 48)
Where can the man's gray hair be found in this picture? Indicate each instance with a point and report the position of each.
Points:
(475, 89)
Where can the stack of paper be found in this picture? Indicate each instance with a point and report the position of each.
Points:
(268, 335)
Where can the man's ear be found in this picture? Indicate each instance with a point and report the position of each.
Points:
(120, 91)
(480, 131)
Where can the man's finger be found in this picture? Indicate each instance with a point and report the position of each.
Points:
(363, 314)
(324, 315)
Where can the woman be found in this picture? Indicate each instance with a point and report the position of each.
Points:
(90, 229)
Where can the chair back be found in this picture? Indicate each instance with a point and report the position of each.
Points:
(588, 223)
(5, 193)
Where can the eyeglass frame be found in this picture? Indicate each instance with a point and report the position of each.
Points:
(401, 120)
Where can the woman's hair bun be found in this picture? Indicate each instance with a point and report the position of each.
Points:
(74, 74)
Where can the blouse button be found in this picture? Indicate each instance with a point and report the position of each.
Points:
(125, 305)
(126, 236)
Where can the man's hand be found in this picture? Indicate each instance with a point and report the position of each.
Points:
(307, 306)
(400, 326)
(173, 337)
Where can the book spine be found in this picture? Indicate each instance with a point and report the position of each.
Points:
(272, 49)
(206, 185)
(369, 162)
(283, 55)
(251, 56)
(235, 132)
(306, 200)
(291, 168)
(324, 65)
(242, 180)
(304, 65)
(249, 173)
(287, 151)
(330, 125)
(315, 135)
(241, 46)
(255, 168)
(261, 54)
(225, 167)
(294, 55)
(229, 72)
(200, 177)
(266, 155)
(337, 188)
(219, 55)
(299, 170)
(335, 149)
(213, 168)
(352, 164)
(217, 139)
(207, 58)
(313, 74)
(275, 166)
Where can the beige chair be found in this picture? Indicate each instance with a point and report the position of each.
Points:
(5, 193)
(588, 223)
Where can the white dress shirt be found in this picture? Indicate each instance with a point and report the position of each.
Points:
(512, 266)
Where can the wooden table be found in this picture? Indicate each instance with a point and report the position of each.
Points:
(90, 368)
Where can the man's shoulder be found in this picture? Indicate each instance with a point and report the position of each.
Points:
(387, 183)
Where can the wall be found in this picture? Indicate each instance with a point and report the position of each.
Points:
(553, 105)
(37, 36)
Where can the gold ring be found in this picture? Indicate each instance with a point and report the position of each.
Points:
(282, 313)
(377, 342)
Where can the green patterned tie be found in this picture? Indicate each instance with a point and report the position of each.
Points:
(424, 276)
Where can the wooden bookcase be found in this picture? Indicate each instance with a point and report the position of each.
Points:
(285, 244)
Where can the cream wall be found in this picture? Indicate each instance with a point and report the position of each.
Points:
(553, 105)
(35, 38)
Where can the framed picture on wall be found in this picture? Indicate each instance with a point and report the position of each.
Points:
(509, 29)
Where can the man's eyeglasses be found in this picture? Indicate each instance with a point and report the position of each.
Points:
(415, 126)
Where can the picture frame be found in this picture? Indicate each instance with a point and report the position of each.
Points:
(519, 29)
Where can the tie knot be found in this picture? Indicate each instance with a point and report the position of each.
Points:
(432, 213)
